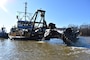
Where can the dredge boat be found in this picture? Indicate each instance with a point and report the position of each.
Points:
(35, 29)
(29, 28)
(3, 33)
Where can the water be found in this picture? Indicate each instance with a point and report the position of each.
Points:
(54, 49)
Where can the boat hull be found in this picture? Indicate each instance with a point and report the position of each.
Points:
(23, 38)
(3, 35)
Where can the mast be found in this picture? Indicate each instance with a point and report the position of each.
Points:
(25, 13)
(25, 10)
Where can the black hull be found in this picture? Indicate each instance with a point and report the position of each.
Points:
(4, 36)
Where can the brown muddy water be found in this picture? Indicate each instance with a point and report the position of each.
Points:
(46, 50)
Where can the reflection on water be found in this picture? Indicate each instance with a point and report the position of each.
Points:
(48, 50)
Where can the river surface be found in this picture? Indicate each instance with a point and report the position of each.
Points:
(54, 49)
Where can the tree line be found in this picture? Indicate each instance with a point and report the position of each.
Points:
(84, 29)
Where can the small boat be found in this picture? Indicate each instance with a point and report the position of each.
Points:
(3, 33)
